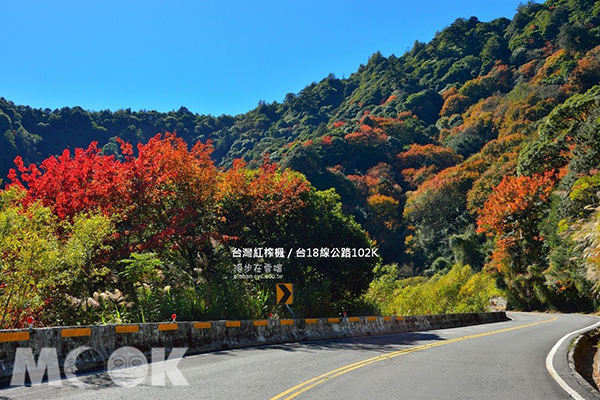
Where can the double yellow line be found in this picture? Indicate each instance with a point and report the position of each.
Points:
(311, 383)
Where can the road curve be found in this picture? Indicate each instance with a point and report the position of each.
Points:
(505, 360)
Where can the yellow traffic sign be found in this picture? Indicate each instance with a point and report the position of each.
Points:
(285, 293)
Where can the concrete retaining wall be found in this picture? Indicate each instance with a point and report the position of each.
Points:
(209, 336)
(584, 360)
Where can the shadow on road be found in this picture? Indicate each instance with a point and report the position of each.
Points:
(99, 380)
(381, 343)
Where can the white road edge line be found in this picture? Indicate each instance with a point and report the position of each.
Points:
(550, 365)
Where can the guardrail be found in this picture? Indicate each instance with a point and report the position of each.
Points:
(205, 336)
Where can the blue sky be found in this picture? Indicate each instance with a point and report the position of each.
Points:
(212, 57)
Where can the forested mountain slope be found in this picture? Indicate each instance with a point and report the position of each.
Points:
(481, 147)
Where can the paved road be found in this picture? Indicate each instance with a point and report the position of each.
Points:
(495, 361)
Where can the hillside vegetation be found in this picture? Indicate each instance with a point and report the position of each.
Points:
(479, 148)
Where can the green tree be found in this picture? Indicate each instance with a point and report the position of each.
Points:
(45, 262)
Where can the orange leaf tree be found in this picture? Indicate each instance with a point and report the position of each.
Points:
(511, 216)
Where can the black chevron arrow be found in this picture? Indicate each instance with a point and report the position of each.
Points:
(286, 293)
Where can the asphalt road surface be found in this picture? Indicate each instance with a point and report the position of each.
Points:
(505, 360)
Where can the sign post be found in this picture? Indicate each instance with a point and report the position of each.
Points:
(285, 295)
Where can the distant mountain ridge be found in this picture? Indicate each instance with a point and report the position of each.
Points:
(415, 145)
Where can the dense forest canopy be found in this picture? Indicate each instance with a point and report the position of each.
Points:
(479, 148)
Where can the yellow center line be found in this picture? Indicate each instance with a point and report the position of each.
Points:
(311, 383)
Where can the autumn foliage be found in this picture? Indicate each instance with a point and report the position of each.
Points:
(73, 183)
(446, 155)
(160, 196)
(512, 200)
(512, 215)
(167, 214)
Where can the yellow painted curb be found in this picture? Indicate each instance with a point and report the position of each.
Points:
(168, 327)
(76, 332)
(14, 337)
(127, 328)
